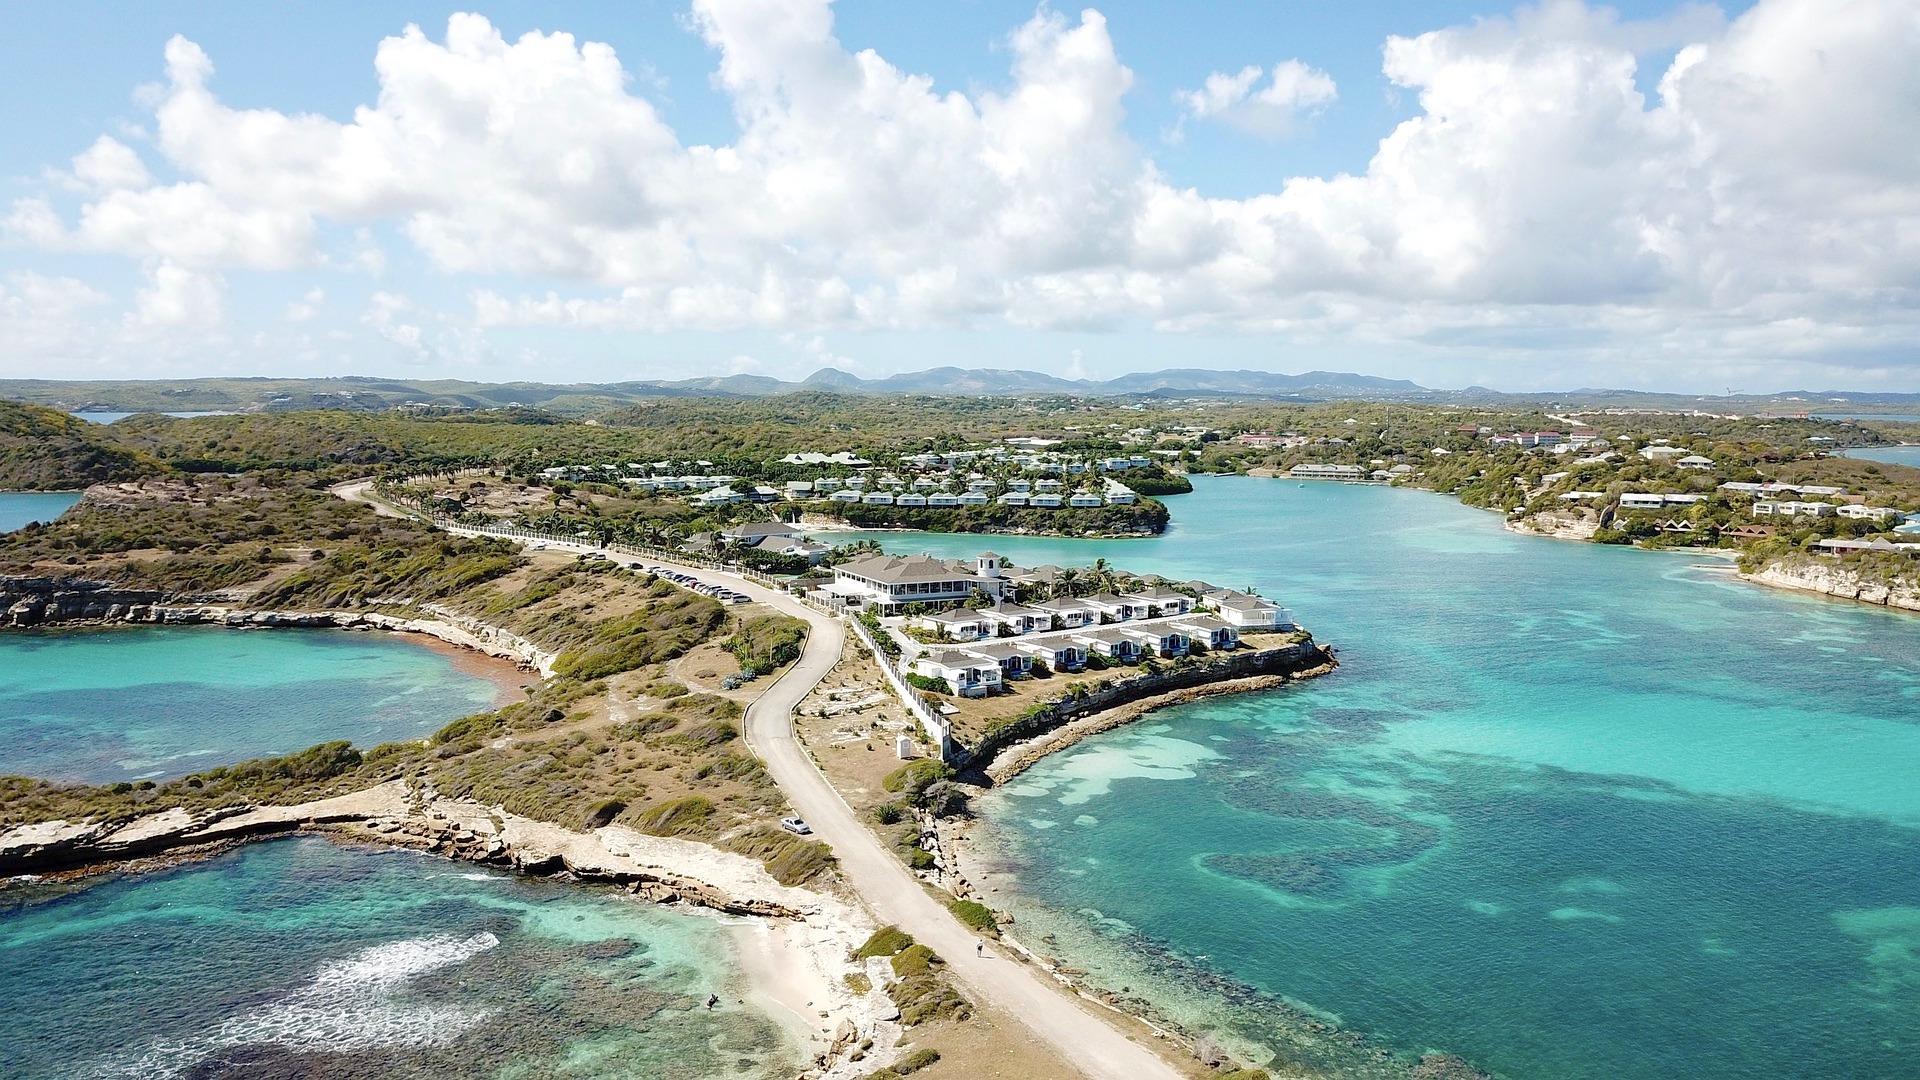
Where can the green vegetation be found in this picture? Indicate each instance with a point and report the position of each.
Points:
(1145, 517)
(887, 941)
(914, 1061)
(44, 449)
(976, 916)
(929, 683)
(765, 643)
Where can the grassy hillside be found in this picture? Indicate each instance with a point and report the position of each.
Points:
(44, 449)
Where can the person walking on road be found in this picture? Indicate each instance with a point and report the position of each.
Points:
(979, 947)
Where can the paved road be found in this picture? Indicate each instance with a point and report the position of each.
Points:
(896, 896)
(893, 894)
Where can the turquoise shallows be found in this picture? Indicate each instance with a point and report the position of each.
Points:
(131, 703)
(17, 508)
(300, 958)
(1565, 810)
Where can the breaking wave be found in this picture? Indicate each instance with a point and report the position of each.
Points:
(352, 1005)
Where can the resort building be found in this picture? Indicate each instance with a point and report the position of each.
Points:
(1161, 600)
(1870, 513)
(1017, 619)
(962, 624)
(1694, 461)
(1015, 663)
(1328, 472)
(969, 675)
(1117, 608)
(1060, 654)
(1113, 643)
(1776, 508)
(1159, 638)
(1245, 611)
(1209, 631)
(1071, 613)
(890, 582)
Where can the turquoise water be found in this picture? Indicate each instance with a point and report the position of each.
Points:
(150, 702)
(17, 508)
(1565, 810)
(1895, 455)
(301, 959)
(1902, 418)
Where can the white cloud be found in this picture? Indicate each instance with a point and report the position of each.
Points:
(176, 296)
(308, 306)
(1765, 200)
(110, 165)
(1270, 111)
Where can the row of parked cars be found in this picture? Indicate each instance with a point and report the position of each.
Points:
(678, 577)
(688, 581)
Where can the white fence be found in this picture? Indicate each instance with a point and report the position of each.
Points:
(936, 725)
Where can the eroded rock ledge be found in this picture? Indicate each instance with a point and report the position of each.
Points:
(28, 602)
(658, 868)
(1812, 574)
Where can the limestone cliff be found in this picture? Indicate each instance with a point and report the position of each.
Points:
(1867, 583)
(1579, 524)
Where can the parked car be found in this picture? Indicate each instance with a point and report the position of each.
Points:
(796, 826)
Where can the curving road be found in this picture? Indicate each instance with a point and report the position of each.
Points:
(890, 891)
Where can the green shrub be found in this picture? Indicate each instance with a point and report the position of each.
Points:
(886, 941)
(912, 778)
(976, 916)
(887, 813)
(915, 1061)
(928, 683)
(675, 817)
(915, 960)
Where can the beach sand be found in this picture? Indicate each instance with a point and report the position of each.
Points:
(509, 679)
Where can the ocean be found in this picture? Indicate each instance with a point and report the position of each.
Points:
(299, 958)
(17, 508)
(136, 703)
(1564, 810)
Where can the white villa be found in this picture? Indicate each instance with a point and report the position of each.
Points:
(970, 674)
(961, 624)
(889, 582)
(1777, 508)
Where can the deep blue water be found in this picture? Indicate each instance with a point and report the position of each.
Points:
(298, 958)
(1565, 810)
(148, 702)
(17, 508)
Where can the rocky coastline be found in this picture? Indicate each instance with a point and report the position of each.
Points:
(40, 602)
(1838, 580)
(813, 935)
(1012, 749)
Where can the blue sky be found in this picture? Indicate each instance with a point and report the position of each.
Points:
(735, 188)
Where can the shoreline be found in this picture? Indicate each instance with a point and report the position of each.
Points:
(1020, 756)
(791, 942)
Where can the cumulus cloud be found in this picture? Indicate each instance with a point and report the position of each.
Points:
(1269, 111)
(176, 296)
(1766, 196)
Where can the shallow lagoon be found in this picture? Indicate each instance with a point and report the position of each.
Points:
(17, 508)
(1565, 810)
(131, 703)
(299, 958)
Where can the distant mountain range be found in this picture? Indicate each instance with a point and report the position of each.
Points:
(361, 392)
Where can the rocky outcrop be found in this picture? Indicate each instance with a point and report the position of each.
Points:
(395, 815)
(1868, 584)
(53, 601)
(1558, 524)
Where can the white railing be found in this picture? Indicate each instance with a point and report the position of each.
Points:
(936, 726)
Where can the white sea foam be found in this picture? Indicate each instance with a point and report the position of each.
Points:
(351, 1005)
